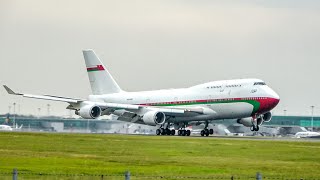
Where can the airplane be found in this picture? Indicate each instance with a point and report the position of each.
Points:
(9, 128)
(5, 128)
(247, 100)
(305, 134)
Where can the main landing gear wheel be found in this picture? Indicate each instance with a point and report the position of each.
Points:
(254, 128)
(163, 132)
(182, 132)
(206, 131)
(168, 132)
(173, 132)
(188, 132)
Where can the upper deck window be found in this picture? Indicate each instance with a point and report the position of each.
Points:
(259, 83)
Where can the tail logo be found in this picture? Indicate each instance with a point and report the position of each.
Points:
(97, 68)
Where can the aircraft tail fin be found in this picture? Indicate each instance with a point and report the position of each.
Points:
(100, 79)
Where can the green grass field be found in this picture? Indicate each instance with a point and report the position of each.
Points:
(157, 155)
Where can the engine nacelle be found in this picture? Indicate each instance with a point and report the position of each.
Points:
(267, 117)
(89, 112)
(248, 121)
(154, 118)
(245, 121)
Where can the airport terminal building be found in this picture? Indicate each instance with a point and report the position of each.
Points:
(285, 124)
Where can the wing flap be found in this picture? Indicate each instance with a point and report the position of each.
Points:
(118, 106)
(68, 100)
(166, 110)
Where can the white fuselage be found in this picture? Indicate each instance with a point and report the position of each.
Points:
(5, 128)
(228, 99)
(306, 134)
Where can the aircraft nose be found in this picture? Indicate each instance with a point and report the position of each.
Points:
(275, 101)
(275, 97)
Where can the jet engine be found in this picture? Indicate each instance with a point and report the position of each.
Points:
(89, 112)
(154, 118)
(266, 117)
(247, 122)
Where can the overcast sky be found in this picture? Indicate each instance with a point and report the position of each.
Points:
(150, 45)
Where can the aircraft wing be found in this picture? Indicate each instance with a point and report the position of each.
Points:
(76, 103)
(72, 101)
(46, 97)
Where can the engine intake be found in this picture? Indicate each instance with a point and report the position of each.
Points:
(267, 117)
(89, 112)
(154, 118)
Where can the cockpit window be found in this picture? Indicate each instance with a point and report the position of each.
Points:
(259, 83)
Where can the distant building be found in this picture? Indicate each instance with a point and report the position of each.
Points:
(58, 124)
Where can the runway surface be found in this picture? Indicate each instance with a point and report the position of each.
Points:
(259, 138)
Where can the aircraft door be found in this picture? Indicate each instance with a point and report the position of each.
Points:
(209, 100)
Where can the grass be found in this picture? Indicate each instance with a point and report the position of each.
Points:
(157, 155)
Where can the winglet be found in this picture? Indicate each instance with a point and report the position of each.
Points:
(10, 90)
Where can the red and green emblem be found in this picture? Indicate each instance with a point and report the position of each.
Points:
(97, 68)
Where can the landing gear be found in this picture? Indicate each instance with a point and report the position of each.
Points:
(206, 131)
(172, 132)
(183, 132)
(188, 133)
(165, 131)
(255, 126)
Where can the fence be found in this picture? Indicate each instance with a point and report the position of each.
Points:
(15, 175)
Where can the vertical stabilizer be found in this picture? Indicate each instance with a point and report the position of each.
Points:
(100, 79)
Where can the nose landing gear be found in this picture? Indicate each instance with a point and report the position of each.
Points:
(255, 126)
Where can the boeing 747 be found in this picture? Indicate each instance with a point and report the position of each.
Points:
(247, 100)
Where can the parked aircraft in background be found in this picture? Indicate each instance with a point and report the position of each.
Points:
(5, 128)
(306, 134)
(9, 128)
(248, 100)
